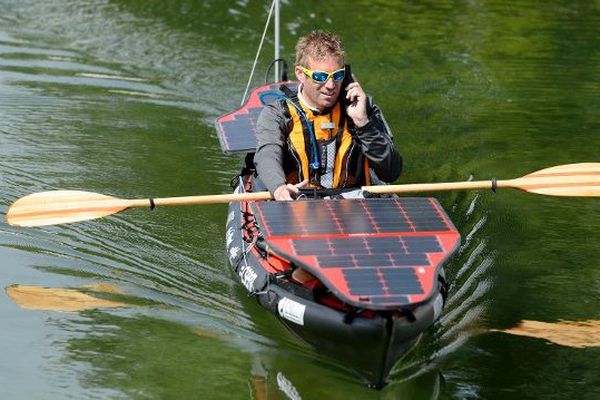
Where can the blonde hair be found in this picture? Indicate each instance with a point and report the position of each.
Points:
(318, 45)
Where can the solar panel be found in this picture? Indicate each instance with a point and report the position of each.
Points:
(378, 253)
(237, 130)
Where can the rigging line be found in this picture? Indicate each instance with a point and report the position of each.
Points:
(258, 52)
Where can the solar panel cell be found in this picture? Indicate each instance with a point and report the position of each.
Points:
(403, 260)
(385, 244)
(336, 261)
(398, 300)
(372, 260)
(422, 244)
(312, 246)
(424, 218)
(401, 281)
(364, 282)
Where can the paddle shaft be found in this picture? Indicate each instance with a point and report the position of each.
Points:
(407, 188)
(435, 187)
(252, 196)
(208, 199)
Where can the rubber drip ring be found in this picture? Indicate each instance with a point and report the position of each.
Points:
(494, 185)
(152, 205)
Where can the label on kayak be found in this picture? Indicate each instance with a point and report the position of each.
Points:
(230, 236)
(247, 276)
(291, 310)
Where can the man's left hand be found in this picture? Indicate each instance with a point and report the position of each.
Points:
(357, 109)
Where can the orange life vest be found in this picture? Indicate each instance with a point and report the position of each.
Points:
(350, 167)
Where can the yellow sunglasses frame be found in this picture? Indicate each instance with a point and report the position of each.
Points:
(309, 74)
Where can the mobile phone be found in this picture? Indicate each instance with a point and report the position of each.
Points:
(347, 80)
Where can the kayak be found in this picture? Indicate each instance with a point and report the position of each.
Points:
(372, 278)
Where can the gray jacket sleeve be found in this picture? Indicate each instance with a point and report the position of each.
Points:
(377, 144)
(271, 127)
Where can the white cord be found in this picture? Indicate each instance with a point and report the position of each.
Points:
(258, 53)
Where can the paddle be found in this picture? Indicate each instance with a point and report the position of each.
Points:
(63, 206)
(580, 180)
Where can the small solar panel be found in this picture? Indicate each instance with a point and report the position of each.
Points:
(377, 253)
(364, 281)
(237, 130)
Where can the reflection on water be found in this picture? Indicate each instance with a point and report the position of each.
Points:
(119, 97)
(57, 299)
(268, 384)
(566, 333)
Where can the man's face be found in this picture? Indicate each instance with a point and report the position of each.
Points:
(320, 95)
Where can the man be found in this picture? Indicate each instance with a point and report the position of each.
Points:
(323, 135)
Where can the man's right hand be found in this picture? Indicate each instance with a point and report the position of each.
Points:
(288, 191)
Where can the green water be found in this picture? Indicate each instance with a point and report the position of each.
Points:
(119, 97)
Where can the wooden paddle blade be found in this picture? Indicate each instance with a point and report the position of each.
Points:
(62, 206)
(564, 180)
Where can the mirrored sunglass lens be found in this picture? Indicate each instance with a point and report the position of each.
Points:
(338, 76)
(319, 76)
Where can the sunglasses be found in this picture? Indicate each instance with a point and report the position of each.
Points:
(322, 76)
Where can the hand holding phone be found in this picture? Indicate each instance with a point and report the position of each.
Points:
(355, 99)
